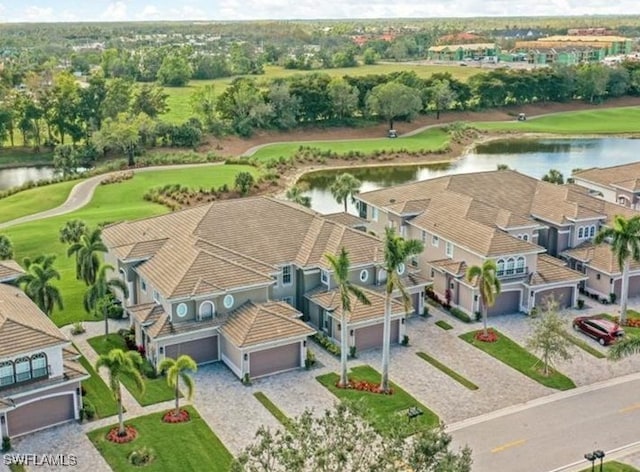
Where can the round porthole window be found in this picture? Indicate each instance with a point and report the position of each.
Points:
(228, 301)
(400, 269)
(364, 275)
(182, 310)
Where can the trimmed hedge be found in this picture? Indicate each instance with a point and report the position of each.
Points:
(461, 315)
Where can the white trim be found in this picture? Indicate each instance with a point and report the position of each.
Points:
(270, 344)
(230, 304)
(178, 310)
(229, 363)
(217, 294)
(187, 333)
(364, 275)
(213, 308)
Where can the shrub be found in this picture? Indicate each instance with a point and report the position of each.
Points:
(352, 352)
(612, 298)
(405, 340)
(6, 444)
(77, 328)
(580, 303)
(478, 315)
(246, 380)
(88, 410)
(142, 456)
(326, 343)
(425, 311)
(310, 361)
(461, 315)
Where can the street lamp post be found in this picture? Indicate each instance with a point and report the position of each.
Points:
(599, 455)
(591, 457)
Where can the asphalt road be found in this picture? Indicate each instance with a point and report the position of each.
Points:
(550, 435)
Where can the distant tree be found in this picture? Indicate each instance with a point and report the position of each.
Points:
(592, 81)
(122, 134)
(176, 370)
(549, 337)
(117, 99)
(344, 187)
(243, 104)
(394, 100)
(37, 283)
(502, 167)
(87, 254)
(203, 104)
(72, 231)
(66, 159)
(619, 82)
(344, 98)
(91, 103)
(369, 56)
(99, 291)
(554, 176)
(150, 100)
(486, 278)
(244, 181)
(441, 96)
(6, 248)
(295, 195)
(284, 106)
(175, 71)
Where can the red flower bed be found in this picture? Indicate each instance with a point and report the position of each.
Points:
(631, 322)
(364, 386)
(171, 417)
(130, 433)
(490, 337)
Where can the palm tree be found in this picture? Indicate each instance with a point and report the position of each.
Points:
(36, 283)
(625, 244)
(97, 293)
(625, 347)
(295, 195)
(487, 279)
(396, 252)
(119, 363)
(340, 268)
(345, 186)
(176, 369)
(87, 255)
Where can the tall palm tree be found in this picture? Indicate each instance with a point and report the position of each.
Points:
(625, 244)
(295, 195)
(486, 276)
(87, 252)
(97, 293)
(119, 363)
(396, 251)
(345, 186)
(340, 268)
(36, 283)
(177, 369)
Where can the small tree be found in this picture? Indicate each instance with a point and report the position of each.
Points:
(87, 253)
(176, 370)
(295, 195)
(486, 277)
(72, 231)
(37, 283)
(244, 181)
(96, 295)
(344, 187)
(549, 337)
(6, 248)
(554, 176)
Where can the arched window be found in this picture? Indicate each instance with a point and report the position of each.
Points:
(592, 231)
(510, 265)
(500, 267)
(207, 309)
(23, 369)
(520, 265)
(580, 232)
(6, 373)
(39, 365)
(382, 275)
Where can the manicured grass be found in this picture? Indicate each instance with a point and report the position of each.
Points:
(515, 356)
(273, 408)
(180, 108)
(429, 140)
(110, 203)
(380, 408)
(613, 466)
(582, 344)
(98, 393)
(35, 200)
(604, 121)
(443, 368)
(629, 330)
(156, 390)
(18, 156)
(183, 446)
(444, 325)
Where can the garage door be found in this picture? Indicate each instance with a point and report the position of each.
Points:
(562, 296)
(276, 359)
(371, 336)
(40, 414)
(634, 287)
(201, 350)
(507, 303)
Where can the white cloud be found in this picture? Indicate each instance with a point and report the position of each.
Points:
(115, 11)
(37, 14)
(149, 12)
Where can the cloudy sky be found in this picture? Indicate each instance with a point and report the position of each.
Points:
(119, 10)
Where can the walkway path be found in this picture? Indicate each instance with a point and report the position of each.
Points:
(82, 193)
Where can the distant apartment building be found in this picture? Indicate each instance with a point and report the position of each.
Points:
(570, 49)
(463, 52)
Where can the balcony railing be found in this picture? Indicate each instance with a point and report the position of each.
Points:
(512, 273)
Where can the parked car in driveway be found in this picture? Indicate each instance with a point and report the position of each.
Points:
(601, 329)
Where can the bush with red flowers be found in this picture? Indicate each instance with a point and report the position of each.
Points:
(171, 417)
(364, 386)
(631, 322)
(130, 433)
(490, 337)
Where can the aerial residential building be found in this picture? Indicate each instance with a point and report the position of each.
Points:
(617, 184)
(462, 52)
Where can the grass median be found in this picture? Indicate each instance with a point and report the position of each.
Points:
(446, 370)
(97, 392)
(273, 408)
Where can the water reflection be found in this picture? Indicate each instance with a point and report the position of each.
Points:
(20, 175)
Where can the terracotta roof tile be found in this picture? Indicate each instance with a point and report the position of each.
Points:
(600, 257)
(10, 270)
(621, 175)
(550, 270)
(346, 219)
(330, 300)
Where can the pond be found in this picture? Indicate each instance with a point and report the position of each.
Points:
(19, 175)
(531, 157)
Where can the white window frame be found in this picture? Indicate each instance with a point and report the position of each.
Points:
(581, 232)
(286, 268)
(179, 309)
(325, 322)
(510, 268)
(500, 267)
(520, 264)
(156, 296)
(401, 268)
(448, 249)
(24, 361)
(435, 240)
(592, 231)
(207, 303)
(424, 236)
(374, 214)
(364, 275)
(324, 276)
(525, 237)
(228, 301)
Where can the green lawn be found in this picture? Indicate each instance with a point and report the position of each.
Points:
(603, 121)
(98, 393)
(273, 408)
(446, 370)
(515, 356)
(34, 200)
(629, 330)
(584, 345)
(188, 446)
(612, 466)
(429, 140)
(180, 109)
(444, 325)
(110, 203)
(380, 408)
(156, 390)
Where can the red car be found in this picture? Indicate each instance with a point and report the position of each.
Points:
(601, 329)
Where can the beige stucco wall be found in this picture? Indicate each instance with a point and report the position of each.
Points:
(602, 285)
(232, 353)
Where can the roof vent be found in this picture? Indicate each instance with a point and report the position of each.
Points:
(392, 200)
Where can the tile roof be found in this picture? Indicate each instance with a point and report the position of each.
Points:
(456, 268)
(599, 257)
(146, 312)
(330, 300)
(622, 176)
(253, 324)
(10, 270)
(74, 370)
(550, 270)
(470, 47)
(346, 219)
(70, 353)
(162, 327)
(25, 326)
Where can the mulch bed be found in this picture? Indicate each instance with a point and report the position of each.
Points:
(130, 433)
(490, 337)
(364, 386)
(181, 417)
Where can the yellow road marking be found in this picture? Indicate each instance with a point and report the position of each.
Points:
(519, 442)
(630, 408)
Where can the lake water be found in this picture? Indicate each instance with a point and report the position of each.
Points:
(20, 175)
(531, 157)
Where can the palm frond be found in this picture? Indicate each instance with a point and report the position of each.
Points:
(624, 348)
